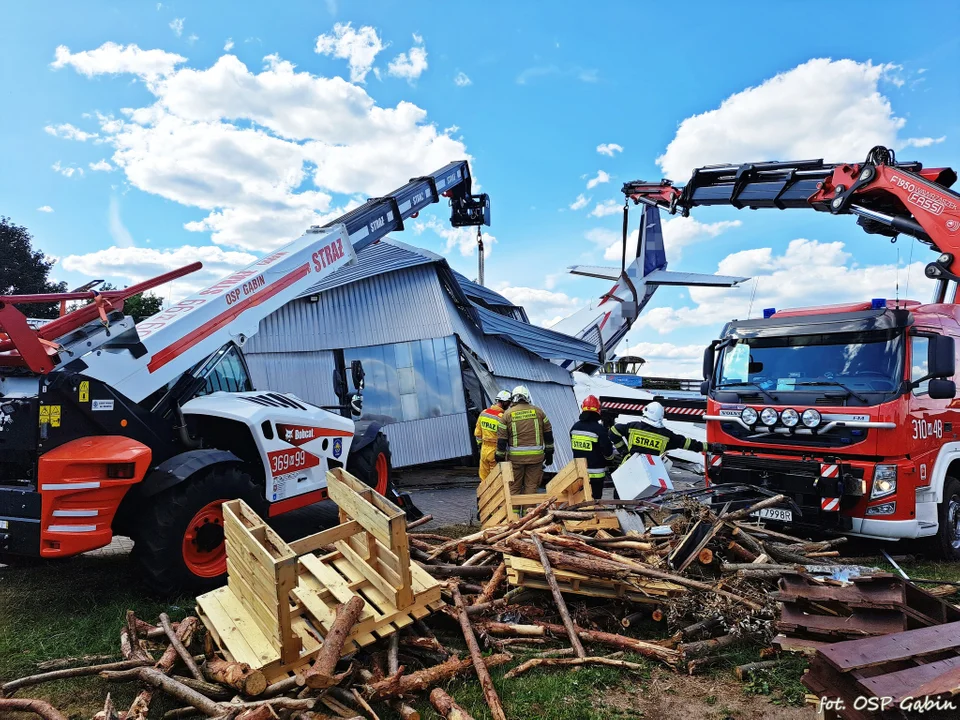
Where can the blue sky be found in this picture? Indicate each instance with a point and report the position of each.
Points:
(139, 136)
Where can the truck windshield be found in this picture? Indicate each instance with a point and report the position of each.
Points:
(855, 362)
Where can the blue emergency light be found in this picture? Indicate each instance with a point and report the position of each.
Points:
(878, 303)
(769, 312)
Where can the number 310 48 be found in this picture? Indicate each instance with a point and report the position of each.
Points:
(923, 429)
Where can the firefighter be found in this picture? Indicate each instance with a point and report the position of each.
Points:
(486, 432)
(525, 438)
(648, 436)
(590, 439)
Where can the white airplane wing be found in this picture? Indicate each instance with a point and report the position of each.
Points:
(666, 277)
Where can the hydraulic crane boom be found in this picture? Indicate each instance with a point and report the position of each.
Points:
(888, 197)
(161, 348)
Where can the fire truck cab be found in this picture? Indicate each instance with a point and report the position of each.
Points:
(848, 410)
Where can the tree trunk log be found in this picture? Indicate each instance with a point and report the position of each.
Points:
(498, 628)
(490, 589)
(704, 647)
(130, 646)
(704, 627)
(481, 608)
(239, 676)
(430, 644)
(632, 618)
(214, 691)
(419, 681)
(321, 673)
(417, 523)
(155, 678)
(745, 672)
(80, 661)
(741, 552)
(14, 685)
(658, 652)
(140, 706)
(698, 665)
(447, 571)
(558, 599)
(393, 654)
(567, 662)
(705, 556)
(568, 561)
(483, 675)
(745, 512)
(37, 707)
(174, 638)
(447, 706)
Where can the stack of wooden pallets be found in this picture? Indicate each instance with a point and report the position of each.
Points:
(281, 598)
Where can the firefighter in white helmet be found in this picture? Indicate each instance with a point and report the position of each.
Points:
(648, 436)
(486, 432)
(525, 438)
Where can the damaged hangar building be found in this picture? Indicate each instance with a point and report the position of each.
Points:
(436, 348)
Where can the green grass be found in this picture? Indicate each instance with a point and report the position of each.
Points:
(68, 608)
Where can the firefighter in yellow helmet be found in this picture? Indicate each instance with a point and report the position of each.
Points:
(486, 432)
(525, 439)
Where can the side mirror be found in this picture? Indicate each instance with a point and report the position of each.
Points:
(940, 389)
(941, 360)
(339, 386)
(705, 387)
(356, 369)
(709, 357)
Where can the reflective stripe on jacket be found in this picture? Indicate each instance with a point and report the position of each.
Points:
(589, 439)
(487, 425)
(524, 435)
(640, 437)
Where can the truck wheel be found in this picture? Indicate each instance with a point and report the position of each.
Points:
(947, 540)
(371, 464)
(179, 544)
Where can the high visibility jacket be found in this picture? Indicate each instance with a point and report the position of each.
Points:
(524, 436)
(590, 439)
(640, 437)
(487, 425)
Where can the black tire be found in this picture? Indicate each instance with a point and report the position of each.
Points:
(169, 561)
(366, 464)
(946, 543)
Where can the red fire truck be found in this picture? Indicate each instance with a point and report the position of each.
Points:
(848, 410)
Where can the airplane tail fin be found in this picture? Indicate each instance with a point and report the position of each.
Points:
(651, 240)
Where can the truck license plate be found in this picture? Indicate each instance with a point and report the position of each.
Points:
(778, 514)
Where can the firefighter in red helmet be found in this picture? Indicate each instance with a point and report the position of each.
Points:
(589, 439)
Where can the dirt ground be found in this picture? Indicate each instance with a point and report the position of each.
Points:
(682, 697)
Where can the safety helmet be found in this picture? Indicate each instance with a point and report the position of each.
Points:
(653, 414)
(590, 404)
(504, 396)
(520, 391)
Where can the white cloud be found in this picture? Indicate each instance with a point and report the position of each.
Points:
(544, 307)
(411, 65)
(821, 108)
(132, 265)
(358, 47)
(101, 166)
(66, 171)
(111, 58)
(69, 132)
(924, 141)
(228, 45)
(45, 209)
(607, 207)
(785, 281)
(193, 38)
(262, 153)
(581, 202)
(601, 177)
(461, 80)
(610, 149)
(118, 231)
(177, 26)
(463, 239)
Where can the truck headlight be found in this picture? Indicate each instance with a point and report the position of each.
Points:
(749, 416)
(884, 481)
(811, 418)
(768, 416)
(790, 417)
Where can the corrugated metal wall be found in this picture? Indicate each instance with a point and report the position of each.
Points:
(560, 405)
(422, 441)
(308, 375)
(405, 305)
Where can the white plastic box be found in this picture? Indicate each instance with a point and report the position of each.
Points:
(642, 476)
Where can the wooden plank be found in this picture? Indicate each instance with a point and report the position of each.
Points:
(245, 542)
(312, 543)
(372, 576)
(290, 645)
(906, 682)
(358, 508)
(868, 652)
(803, 646)
(874, 622)
(236, 628)
(332, 580)
(529, 499)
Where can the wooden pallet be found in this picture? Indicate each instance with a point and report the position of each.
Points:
(523, 572)
(281, 598)
(570, 486)
(911, 664)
